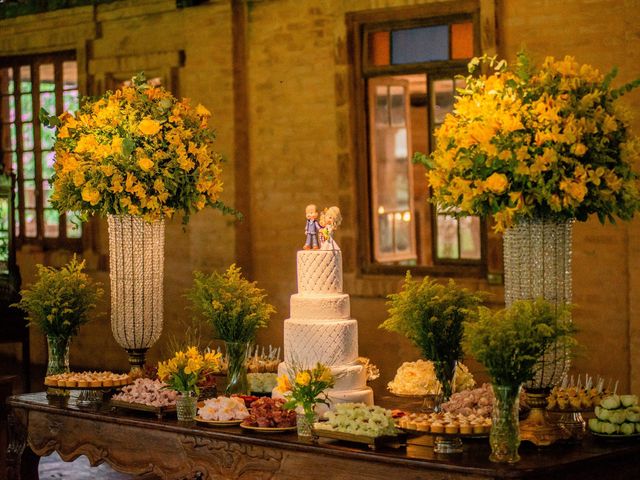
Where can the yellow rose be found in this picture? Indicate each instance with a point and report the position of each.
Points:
(303, 378)
(149, 126)
(284, 385)
(91, 195)
(497, 182)
(145, 163)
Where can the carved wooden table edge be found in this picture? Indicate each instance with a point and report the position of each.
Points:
(231, 453)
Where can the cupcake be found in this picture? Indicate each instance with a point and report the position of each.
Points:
(437, 427)
(466, 428)
(451, 428)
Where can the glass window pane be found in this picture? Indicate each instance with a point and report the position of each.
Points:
(47, 138)
(402, 237)
(6, 80)
(398, 112)
(70, 101)
(447, 237)
(382, 105)
(25, 78)
(12, 136)
(48, 102)
(26, 108)
(8, 109)
(30, 229)
(27, 136)
(51, 223)
(385, 232)
(441, 99)
(379, 48)
(470, 238)
(74, 225)
(47, 78)
(29, 187)
(14, 162)
(28, 166)
(47, 164)
(70, 75)
(16, 221)
(462, 40)
(425, 44)
(46, 193)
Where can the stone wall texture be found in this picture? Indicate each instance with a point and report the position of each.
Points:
(300, 151)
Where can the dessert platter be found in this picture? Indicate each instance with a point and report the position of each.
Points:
(146, 395)
(269, 416)
(92, 384)
(222, 411)
(617, 418)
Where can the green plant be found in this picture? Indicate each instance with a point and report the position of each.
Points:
(510, 342)
(235, 307)
(432, 316)
(60, 300)
(187, 369)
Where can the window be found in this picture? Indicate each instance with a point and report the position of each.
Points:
(406, 69)
(28, 84)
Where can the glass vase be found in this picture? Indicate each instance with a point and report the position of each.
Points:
(444, 371)
(186, 406)
(304, 423)
(237, 381)
(57, 362)
(504, 438)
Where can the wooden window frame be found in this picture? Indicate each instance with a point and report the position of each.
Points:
(34, 61)
(359, 25)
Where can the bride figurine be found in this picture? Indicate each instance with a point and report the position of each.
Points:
(330, 220)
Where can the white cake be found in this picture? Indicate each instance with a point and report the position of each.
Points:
(320, 328)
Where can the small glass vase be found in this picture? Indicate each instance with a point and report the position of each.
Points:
(444, 373)
(237, 381)
(504, 438)
(304, 423)
(186, 406)
(57, 361)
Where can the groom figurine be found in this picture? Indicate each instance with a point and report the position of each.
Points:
(312, 229)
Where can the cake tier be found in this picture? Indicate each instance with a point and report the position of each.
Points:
(321, 306)
(319, 271)
(347, 377)
(362, 395)
(331, 342)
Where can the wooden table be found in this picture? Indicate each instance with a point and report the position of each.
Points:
(137, 443)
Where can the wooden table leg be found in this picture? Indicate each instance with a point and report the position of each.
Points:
(22, 463)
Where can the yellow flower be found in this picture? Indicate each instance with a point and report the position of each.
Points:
(201, 111)
(78, 178)
(284, 385)
(497, 182)
(145, 163)
(194, 365)
(149, 126)
(579, 149)
(91, 195)
(192, 352)
(303, 378)
(326, 376)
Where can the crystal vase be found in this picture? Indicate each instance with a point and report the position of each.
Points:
(504, 438)
(237, 381)
(186, 406)
(444, 371)
(304, 422)
(537, 264)
(136, 262)
(57, 360)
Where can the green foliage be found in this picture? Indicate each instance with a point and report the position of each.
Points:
(235, 307)
(510, 342)
(432, 316)
(59, 302)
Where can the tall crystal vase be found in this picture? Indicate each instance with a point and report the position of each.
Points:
(237, 381)
(57, 361)
(136, 261)
(537, 264)
(504, 438)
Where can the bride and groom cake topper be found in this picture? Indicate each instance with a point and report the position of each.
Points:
(319, 231)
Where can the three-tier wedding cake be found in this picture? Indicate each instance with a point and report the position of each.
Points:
(321, 328)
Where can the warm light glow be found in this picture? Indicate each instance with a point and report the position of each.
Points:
(380, 210)
(398, 216)
(406, 216)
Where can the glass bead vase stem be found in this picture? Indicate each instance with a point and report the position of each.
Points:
(237, 381)
(504, 438)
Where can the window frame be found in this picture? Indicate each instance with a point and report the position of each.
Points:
(34, 61)
(359, 25)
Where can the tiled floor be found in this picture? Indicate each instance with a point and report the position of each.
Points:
(52, 467)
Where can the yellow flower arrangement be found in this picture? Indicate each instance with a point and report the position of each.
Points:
(307, 389)
(137, 151)
(188, 368)
(536, 143)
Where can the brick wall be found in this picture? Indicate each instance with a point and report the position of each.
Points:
(301, 150)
